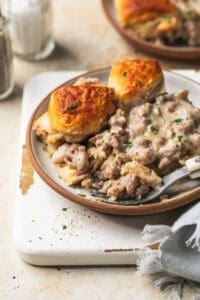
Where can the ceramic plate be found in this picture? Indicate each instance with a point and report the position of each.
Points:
(183, 53)
(48, 173)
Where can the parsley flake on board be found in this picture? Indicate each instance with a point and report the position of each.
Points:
(178, 120)
(73, 106)
(64, 227)
(124, 74)
(64, 209)
(154, 129)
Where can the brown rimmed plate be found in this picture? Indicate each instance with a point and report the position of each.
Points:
(181, 53)
(47, 171)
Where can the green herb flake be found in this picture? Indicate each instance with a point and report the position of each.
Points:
(33, 221)
(64, 209)
(82, 195)
(189, 12)
(64, 227)
(178, 120)
(130, 144)
(157, 161)
(180, 138)
(173, 134)
(30, 241)
(73, 106)
(154, 129)
(196, 123)
(124, 74)
(168, 17)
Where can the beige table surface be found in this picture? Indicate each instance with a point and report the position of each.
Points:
(85, 40)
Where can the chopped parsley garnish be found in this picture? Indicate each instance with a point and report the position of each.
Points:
(64, 209)
(124, 74)
(30, 241)
(129, 144)
(82, 195)
(157, 161)
(64, 227)
(73, 106)
(178, 120)
(180, 138)
(33, 221)
(173, 134)
(168, 17)
(196, 123)
(189, 12)
(154, 129)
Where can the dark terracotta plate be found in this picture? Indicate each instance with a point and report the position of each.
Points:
(182, 53)
(48, 173)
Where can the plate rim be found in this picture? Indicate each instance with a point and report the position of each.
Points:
(189, 53)
(146, 209)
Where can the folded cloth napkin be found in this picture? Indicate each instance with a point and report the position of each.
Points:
(177, 260)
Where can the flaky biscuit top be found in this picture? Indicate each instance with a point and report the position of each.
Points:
(79, 111)
(132, 79)
(134, 11)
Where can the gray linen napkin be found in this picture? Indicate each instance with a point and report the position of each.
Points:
(177, 261)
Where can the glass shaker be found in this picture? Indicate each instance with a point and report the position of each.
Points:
(30, 26)
(6, 67)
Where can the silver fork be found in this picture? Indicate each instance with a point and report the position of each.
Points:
(191, 169)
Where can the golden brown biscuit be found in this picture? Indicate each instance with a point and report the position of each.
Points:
(135, 11)
(79, 111)
(136, 80)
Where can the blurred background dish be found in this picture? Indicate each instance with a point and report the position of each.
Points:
(154, 44)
